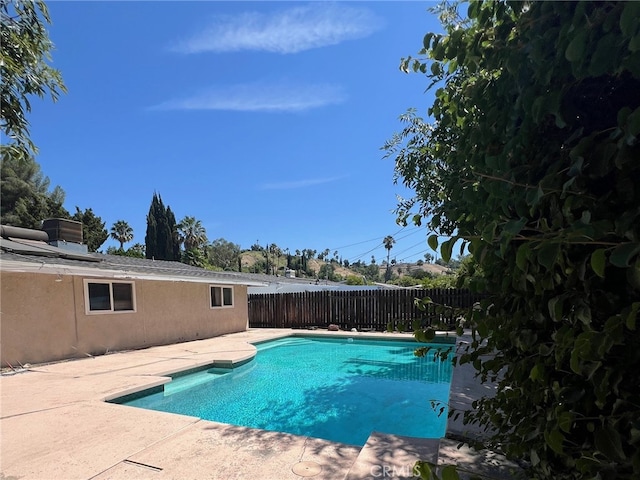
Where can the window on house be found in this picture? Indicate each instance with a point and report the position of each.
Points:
(107, 296)
(221, 297)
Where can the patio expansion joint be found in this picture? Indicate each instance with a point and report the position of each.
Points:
(57, 407)
(155, 468)
(95, 374)
(142, 465)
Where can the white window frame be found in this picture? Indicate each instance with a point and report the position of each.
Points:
(87, 303)
(222, 288)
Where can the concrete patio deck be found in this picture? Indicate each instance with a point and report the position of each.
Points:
(55, 424)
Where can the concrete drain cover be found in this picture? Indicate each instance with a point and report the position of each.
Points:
(306, 469)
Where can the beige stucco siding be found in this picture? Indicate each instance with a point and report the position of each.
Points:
(44, 317)
(30, 302)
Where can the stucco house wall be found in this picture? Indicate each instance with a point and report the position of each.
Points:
(44, 318)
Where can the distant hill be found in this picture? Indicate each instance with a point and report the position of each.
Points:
(402, 269)
(251, 257)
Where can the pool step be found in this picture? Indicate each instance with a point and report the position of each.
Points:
(179, 384)
(288, 343)
(392, 456)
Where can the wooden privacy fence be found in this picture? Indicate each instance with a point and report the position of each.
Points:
(362, 309)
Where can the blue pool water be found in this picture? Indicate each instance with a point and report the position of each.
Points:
(337, 389)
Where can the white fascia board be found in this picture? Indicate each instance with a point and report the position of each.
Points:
(56, 269)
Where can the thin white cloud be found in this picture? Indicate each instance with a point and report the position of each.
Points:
(260, 97)
(289, 31)
(299, 183)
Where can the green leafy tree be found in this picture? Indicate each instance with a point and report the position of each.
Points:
(355, 280)
(136, 250)
(195, 257)
(258, 266)
(25, 52)
(328, 272)
(94, 233)
(439, 281)
(531, 162)
(371, 272)
(121, 232)
(224, 254)
(25, 198)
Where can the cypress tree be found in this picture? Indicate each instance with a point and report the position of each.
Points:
(162, 241)
(162, 232)
(150, 239)
(165, 243)
(174, 238)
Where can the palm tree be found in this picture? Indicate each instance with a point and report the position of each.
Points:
(276, 251)
(192, 234)
(122, 232)
(388, 242)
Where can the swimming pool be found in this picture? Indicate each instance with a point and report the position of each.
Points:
(338, 389)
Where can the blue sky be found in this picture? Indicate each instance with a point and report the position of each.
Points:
(264, 120)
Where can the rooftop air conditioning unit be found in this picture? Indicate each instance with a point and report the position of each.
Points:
(64, 233)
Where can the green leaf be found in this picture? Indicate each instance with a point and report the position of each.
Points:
(522, 256)
(424, 469)
(554, 440)
(472, 11)
(534, 196)
(601, 58)
(432, 241)
(576, 48)
(555, 306)
(483, 329)
(598, 261)
(630, 321)
(623, 114)
(623, 254)
(537, 372)
(446, 249)
(513, 227)
(450, 472)
(607, 440)
(426, 41)
(548, 255)
(633, 122)
(535, 458)
(574, 362)
(429, 334)
(634, 44)
(565, 420)
(536, 109)
(629, 18)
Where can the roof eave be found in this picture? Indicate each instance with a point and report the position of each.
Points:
(57, 269)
